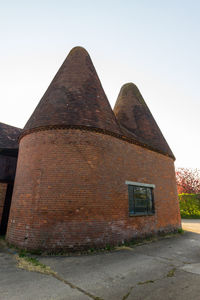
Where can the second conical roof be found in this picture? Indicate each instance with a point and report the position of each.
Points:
(75, 97)
(136, 120)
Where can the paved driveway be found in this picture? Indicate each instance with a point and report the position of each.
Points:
(192, 225)
(165, 269)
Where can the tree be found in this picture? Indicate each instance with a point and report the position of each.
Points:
(188, 180)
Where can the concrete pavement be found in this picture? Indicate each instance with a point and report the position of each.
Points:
(192, 225)
(165, 269)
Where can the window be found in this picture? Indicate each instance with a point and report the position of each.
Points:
(141, 200)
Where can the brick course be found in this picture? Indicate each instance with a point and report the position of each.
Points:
(70, 191)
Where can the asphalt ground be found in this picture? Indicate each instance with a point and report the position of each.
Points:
(163, 269)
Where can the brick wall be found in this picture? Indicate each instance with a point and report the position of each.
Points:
(3, 188)
(70, 191)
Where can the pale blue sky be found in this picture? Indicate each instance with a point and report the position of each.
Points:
(153, 43)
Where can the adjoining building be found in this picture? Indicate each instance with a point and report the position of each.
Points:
(8, 160)
(86, 175)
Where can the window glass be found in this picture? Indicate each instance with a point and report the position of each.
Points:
(140, 193)
(140, 200)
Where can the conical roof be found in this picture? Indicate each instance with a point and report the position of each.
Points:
(75, 97)
(9, 138)
(136, 120)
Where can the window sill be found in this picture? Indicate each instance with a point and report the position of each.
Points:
(141, 214)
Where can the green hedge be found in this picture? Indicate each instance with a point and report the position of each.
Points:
(189, 205)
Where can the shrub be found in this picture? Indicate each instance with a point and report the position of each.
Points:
(189, 205)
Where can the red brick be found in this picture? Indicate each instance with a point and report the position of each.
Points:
(70, 191)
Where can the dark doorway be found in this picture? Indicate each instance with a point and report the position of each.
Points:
(6, 209)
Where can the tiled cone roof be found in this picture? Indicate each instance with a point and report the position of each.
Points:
(75, 97)
(9, 136)
(136, 120)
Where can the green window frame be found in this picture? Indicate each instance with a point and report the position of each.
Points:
(141, 198)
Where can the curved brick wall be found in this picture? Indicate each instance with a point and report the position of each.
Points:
(70, 191)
